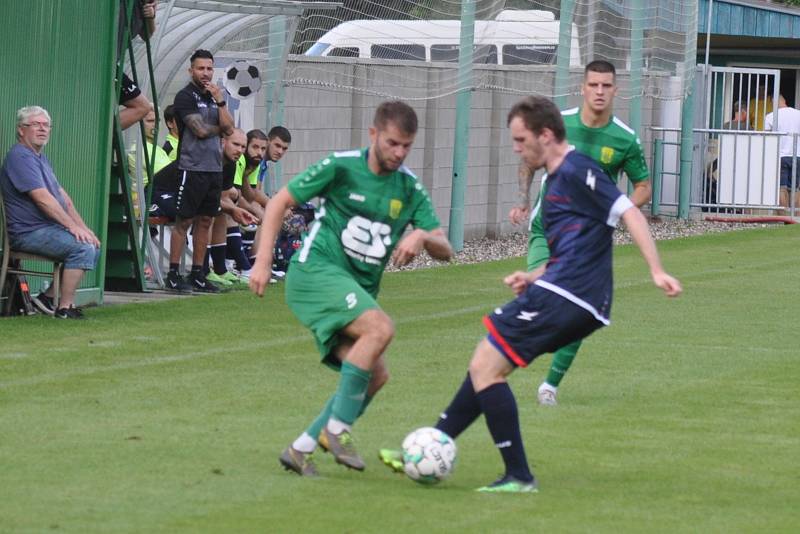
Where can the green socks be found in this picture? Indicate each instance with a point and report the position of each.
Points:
(351, 394)
(562, 359)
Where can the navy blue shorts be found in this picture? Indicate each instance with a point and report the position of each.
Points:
(786, 172)
(536, 322)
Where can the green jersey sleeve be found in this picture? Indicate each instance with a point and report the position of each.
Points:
(538, 251)
(635, 166)
(313, 181)
(424, 216)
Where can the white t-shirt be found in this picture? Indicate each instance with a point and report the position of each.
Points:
(788, 123)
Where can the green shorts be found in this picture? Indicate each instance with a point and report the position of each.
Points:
(325, 299)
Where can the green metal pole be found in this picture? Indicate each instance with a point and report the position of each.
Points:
(463, 105)
(658, 164)
(637, 38)
(687, 141)
(564, 53)
(274, 90)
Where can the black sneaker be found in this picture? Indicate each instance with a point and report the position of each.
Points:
(68, 313)
(176, 282)
(200, 284)
(44, 304)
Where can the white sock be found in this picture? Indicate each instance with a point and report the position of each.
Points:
(305, 443)
(547, 387)
(336, 427)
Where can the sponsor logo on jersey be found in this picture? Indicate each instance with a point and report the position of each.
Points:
(395, 206)
(357, 197)
(527, 316)
(606, 154)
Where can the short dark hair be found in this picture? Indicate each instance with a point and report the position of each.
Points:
(398, 113)
(255, 134)
(538, 113)
(169, 113)
(201, 53)
(599, 65)
(281, 133)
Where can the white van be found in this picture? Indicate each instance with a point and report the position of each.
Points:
(513, 38)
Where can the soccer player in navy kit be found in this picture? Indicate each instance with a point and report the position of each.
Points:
(560, 302)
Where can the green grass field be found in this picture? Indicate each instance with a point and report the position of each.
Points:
(684, 415)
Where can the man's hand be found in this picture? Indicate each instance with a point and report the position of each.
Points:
(259, 280)
(149, 9)
(517, 281)
(409, 247)
(243, 216)
(215, 91)
(518, 214)
(84, 235)
(671, 286)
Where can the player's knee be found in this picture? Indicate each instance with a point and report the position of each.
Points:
(384, 330)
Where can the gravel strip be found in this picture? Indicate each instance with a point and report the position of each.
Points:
(515, 245)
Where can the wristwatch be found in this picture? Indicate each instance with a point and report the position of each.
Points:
(222, 104)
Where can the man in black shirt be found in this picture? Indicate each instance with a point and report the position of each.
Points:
(202, 118)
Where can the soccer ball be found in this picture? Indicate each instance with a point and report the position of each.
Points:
(428, 455)
(242, 79)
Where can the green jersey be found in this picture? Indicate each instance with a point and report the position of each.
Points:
(615, 147)
(361, 216)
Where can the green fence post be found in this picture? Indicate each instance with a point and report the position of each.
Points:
(564, 53)
(461, 141)
(687, 141)
(658, 164)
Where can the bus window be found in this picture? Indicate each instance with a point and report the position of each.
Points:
(529, 54)
(449, 52)
(317, 49)
(407, 52)
(344, 51)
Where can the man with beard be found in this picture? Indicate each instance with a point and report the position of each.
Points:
(202, 117)
(367, 198)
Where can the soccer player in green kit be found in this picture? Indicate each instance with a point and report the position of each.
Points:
(367, 198)
(596, 132)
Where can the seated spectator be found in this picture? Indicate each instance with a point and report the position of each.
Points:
(40, 216)
(162, 159)
(278, 141)
(171, 142)
(739, 120)
(788, 123)
(233, 147)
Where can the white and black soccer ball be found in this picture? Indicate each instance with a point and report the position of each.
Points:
(242, 79)
(429, 455)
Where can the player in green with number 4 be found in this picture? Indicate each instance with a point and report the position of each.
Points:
(367, 198)
(593, 130)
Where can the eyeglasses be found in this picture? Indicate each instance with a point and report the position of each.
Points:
(45, 125)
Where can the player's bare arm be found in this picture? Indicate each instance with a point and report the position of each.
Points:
(271, 225)
(227, 203)
(519, 280)
(519, 212)
(199, 128)
(434, 242)
(642, 192)
(640, 233)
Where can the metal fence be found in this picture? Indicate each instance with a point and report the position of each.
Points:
(734, 172)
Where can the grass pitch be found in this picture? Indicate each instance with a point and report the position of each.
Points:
(684, 415)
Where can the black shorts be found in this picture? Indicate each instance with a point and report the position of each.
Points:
(164, 204)
(536, 322)
(198, 194)
(129, 90)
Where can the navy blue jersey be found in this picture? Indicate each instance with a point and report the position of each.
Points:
(580, 210)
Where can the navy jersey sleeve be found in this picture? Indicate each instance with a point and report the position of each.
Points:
(596, 195)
